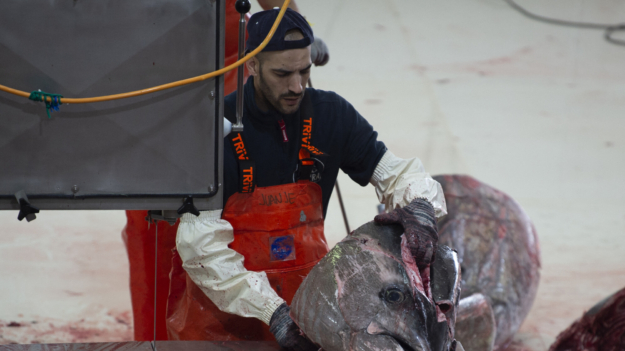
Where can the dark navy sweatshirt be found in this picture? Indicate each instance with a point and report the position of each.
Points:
(347, 140)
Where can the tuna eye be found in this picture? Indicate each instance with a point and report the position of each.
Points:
(394, 295)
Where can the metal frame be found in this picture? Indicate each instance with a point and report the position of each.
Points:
(150, 201)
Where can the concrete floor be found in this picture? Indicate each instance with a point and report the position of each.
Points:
(468, 86)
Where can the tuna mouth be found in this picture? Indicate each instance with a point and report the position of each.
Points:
(404, 345)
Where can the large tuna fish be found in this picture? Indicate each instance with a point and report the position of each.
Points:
(601, 328)
(499, 257)
(367, 294)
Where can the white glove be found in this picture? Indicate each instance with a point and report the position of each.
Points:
(397, 182)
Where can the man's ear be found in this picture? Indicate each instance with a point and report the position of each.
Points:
(253, 66)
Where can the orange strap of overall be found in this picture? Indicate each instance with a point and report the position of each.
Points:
(247, 166)
(307, 151)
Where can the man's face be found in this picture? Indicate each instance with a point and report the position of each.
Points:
(280, 79)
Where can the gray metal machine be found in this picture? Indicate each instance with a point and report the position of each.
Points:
(156, 151)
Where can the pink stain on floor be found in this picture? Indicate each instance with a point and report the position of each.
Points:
(110, 327)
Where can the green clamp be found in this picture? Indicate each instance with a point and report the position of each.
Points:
(53, 102)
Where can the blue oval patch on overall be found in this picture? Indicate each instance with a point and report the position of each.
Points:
(282, 248)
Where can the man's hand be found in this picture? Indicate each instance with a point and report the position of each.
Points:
(419, 228)
(319, 53)
(287, 333)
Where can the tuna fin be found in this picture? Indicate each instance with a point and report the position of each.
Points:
(475, 323)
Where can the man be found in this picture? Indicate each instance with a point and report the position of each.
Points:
(278, 178)
(139, 236)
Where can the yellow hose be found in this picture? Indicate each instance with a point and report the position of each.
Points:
(168, 85)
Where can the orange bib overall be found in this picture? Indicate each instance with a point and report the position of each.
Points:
(278, 230)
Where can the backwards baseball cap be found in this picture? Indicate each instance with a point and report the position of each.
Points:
(260, 24)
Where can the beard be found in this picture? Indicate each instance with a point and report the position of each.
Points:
(275, 101)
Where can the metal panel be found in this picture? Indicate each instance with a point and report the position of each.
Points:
(146, 152)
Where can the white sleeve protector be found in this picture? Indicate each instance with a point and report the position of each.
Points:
(397, 182)
(202, 243)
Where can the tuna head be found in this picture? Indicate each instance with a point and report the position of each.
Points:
(363, 296)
